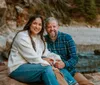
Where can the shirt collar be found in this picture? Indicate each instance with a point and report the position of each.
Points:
(58, 34)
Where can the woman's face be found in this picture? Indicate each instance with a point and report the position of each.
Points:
(36, 26)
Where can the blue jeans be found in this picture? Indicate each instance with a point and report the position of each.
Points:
(68, 77)
(29, 73)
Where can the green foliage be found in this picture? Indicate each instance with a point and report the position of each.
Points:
(90, 10)
(64, 10)
(87, 8)
(97, 3)
(80, 5)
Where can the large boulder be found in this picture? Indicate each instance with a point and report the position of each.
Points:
(2, 11)
(97, 52)
(6, 80)
(2, 42)
(88, 62)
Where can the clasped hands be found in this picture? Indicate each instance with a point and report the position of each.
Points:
(56, 63)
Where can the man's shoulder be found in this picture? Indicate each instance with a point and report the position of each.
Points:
(64, 35)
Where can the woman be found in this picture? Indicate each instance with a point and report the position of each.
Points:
(27, 59)
(25, 62)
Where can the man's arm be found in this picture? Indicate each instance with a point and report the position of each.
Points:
(73, 58)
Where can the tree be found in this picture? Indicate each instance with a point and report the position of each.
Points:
(90, 10)
(80, 5)
(97, 3)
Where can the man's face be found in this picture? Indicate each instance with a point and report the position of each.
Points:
(52, 29)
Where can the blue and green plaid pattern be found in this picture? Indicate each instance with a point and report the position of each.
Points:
(66, 48)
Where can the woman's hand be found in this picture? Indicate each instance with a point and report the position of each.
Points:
(59, 64)
(49, 60)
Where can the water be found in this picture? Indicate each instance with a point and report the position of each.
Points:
(83, 35)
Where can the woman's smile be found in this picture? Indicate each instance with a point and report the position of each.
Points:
(36, 26)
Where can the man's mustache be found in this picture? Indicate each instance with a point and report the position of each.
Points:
(51, 34)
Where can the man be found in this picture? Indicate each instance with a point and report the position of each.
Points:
(63, 45)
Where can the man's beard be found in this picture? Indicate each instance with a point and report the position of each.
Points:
(53, 35)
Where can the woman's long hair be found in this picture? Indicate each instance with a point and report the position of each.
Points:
(27, 27)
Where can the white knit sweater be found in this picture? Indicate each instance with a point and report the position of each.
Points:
(23, 52)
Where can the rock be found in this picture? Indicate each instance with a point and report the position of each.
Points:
(3, 4)
(2, 42)
(2, 12)
(10, 39)
(6, 80)
(94, 77)
(97, 52)
(88, 62)
(2, 16)
(8, 44)
(19, 9)
(3, 56)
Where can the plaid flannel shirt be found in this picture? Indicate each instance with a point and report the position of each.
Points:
(64, 46)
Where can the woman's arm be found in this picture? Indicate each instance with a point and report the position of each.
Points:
(52, 55)
(25, 48)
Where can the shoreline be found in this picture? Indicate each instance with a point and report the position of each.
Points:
(86, 39)
(87, 48)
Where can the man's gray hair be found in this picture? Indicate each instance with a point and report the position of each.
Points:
(50, 19)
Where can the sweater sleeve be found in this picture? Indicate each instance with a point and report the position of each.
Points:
(49, 54)
(25, 49)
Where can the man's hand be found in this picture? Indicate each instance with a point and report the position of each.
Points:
(59, 64)
(49, 60)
